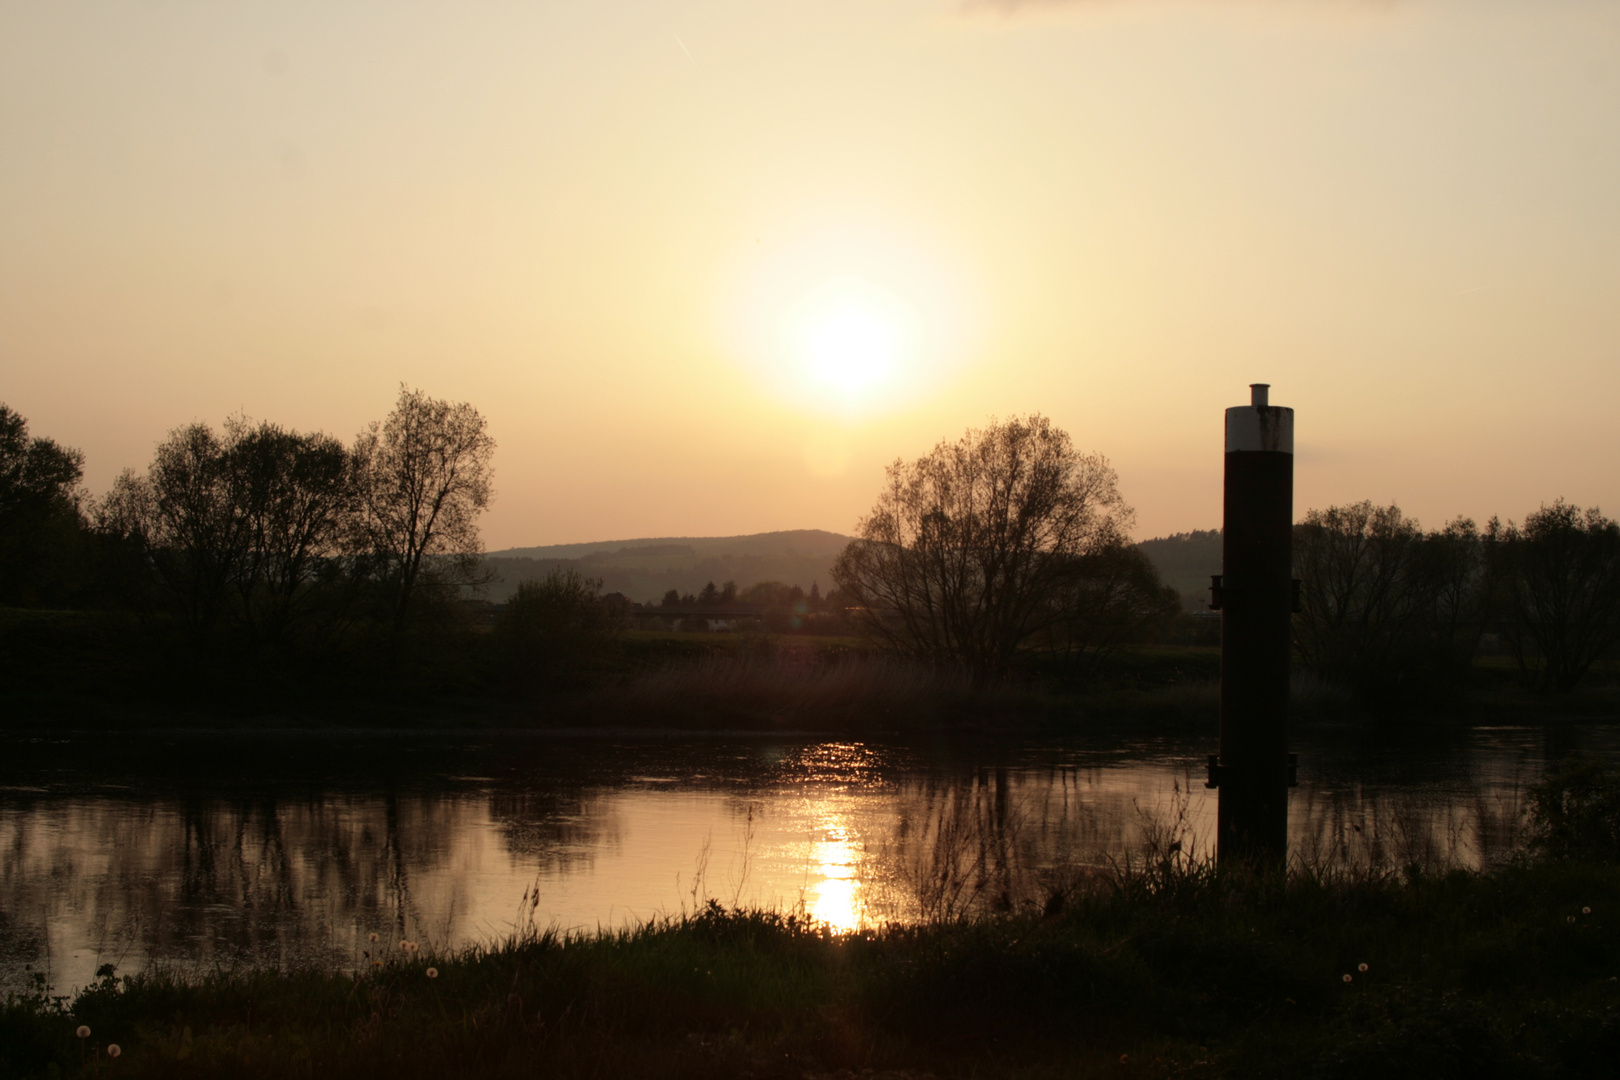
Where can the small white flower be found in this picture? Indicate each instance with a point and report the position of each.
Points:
(433, 973)
(1362, 968)
(83, 1032)
(1586, 911)
(1569, 918)
(1347, 978)
(113, 1050)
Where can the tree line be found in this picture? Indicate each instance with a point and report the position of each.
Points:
(1389, 607)
(1009, 546)
(255, 533)
(1000, 552)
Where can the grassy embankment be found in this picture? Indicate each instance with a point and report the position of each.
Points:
(103, 669)
(1159, 971)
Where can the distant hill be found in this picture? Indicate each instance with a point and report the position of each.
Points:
(1185, 561)
(645, 569)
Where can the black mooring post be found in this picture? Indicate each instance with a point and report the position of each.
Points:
(1255, 596)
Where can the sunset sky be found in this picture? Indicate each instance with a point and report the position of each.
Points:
(707, 266)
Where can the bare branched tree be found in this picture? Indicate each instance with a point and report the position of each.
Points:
(959, 560)
(423, 476)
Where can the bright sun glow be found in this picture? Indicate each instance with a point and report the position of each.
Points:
(834, 900)
(850, 336)
(845, 316)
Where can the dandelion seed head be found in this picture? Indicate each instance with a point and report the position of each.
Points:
(83, 1032)
(1362, 968)
(113, 1050)
(433, 973)
(1586, 911)
(372, 938)
(1348, 977)
(1569, 918)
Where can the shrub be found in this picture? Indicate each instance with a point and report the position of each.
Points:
(1575, 811)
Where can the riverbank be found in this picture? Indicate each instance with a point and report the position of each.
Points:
(1151, 971)
(89, 670)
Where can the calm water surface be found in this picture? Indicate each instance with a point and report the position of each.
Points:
(202, 852)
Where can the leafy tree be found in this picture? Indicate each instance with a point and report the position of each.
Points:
(1104, 599)
(556, 628)
(422, 477)
(295, 495)
(39, 512)
(960, 558)
(236, 531)
(1559, 575)
(183, 516)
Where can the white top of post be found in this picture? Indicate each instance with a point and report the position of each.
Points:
(1260, 425)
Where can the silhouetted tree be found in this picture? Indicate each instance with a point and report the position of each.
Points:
(1102, 600)
(1560, 578)
(557, 628)
(709, 596)
(296, 498)
(39, 513)
(182, 515)
(1384, 604)
(236, 531)
(960, 558)
(423, 476)
(672, 598)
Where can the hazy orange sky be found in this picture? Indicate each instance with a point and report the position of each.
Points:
(706, 267)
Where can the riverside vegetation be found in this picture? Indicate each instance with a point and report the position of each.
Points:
(268, 576)
(1164, 966)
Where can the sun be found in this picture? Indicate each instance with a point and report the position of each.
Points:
(844, 318)
(849, 337)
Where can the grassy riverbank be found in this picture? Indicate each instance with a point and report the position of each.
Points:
(1158, 971)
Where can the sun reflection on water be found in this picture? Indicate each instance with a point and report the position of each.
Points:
(835, 899)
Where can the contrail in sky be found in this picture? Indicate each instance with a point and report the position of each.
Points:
(684, 49)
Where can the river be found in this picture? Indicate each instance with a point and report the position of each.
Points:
(200, 852)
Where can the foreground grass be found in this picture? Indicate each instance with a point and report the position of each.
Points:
(1172, 971)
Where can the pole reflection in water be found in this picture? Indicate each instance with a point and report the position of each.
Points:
(201, 855)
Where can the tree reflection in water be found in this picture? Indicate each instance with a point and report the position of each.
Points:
(294, 861)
